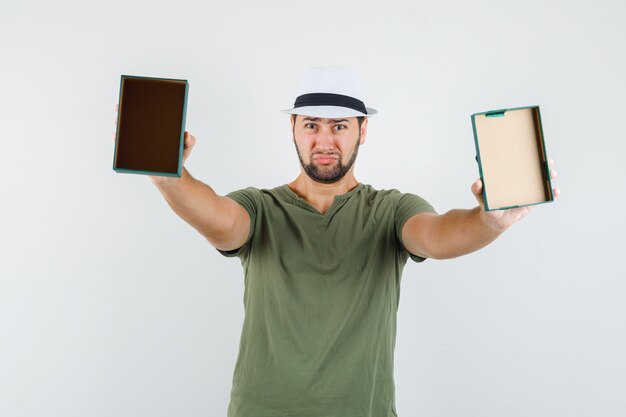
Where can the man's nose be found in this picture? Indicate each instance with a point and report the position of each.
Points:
(324, 139)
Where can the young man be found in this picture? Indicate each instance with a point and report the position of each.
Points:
(323, 256)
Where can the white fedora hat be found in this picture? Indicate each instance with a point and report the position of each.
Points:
(330, 92)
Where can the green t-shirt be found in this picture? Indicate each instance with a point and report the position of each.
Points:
(321, 297)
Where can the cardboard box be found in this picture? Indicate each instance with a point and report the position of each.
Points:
(150, 126)
(512, 159)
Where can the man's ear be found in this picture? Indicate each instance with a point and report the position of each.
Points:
(363, 131)
(292, 121)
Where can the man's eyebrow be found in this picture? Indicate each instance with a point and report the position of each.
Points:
(317, 119)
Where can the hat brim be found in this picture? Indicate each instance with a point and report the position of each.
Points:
(331, 112)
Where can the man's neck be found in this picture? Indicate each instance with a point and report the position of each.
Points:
(320, 195)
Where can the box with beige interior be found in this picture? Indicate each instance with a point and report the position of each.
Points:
(511, 156)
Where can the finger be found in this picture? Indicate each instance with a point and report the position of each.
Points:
(556, 192)
(116, 107)
(190, 140)
(477, 187)
(550, 161)
(552, 173)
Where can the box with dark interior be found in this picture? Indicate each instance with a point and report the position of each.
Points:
(150, 126)
(512, 159)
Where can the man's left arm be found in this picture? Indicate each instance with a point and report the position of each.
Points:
(459, 231)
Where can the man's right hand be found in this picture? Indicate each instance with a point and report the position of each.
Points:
(190, 142)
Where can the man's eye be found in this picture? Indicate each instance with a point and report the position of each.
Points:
(310, 125)
(340, 127)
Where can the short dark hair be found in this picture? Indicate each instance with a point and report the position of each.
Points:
(359, 118)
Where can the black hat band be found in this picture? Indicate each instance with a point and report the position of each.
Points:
(329, 99)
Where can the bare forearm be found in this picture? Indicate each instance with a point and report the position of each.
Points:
(459, 232)
(197, 204)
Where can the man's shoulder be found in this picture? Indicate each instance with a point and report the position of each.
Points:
(395, 197)
(259, 191)
(262, 195)
(382, 193)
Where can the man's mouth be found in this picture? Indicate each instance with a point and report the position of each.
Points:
(325, 159)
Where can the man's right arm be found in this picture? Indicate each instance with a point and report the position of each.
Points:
(223, 222)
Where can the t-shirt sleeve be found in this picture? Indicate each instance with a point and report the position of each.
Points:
(249, 199)
(408, 206)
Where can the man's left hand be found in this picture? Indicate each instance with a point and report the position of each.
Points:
(501, 220)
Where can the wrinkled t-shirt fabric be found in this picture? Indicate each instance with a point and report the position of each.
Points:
(320, 300)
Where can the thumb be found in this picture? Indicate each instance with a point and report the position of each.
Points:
(190, 142)
(477, 190)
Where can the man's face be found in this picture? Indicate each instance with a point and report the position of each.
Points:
(327, 148)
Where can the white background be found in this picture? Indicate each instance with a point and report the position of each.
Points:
(111, 305)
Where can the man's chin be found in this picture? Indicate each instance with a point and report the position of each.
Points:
(325, 180)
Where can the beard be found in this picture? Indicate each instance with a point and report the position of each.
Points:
(328, 174)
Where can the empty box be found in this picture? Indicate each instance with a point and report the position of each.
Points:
(151, 126)
(512, 159)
